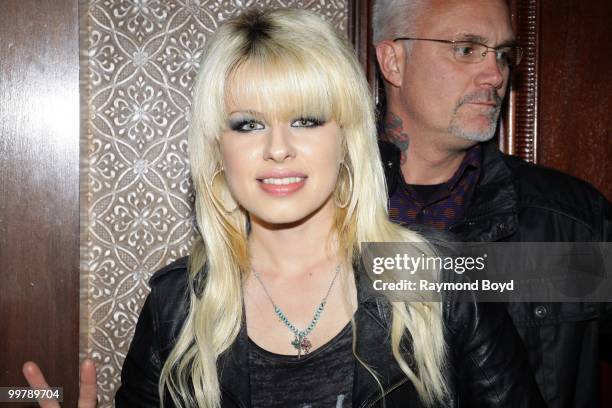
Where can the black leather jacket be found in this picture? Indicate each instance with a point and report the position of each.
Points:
(487, 365)
(516, 201)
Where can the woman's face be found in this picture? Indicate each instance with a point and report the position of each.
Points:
(280, 170)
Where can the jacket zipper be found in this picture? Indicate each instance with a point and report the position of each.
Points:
(370, 403)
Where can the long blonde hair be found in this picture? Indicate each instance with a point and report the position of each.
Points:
(300, 63)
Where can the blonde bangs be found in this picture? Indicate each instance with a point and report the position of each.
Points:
(285, 87)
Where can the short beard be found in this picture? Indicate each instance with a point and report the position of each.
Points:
(459, 131)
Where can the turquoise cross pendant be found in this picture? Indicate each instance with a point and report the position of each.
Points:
(301, 344)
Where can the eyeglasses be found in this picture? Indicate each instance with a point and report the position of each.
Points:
(471, 52)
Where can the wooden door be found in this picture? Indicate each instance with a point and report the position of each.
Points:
(39, 191)
(561, 95)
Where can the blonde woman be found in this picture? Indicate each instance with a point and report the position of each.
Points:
(269, 309)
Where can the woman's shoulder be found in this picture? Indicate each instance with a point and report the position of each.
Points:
(169, 301)
(171, 277)
(170, 288)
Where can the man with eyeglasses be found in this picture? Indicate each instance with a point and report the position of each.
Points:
(446, 66)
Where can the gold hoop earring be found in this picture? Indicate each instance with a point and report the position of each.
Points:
(218, 202)
(350, 194)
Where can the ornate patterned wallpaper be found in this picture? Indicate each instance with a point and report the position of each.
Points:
(139, 60)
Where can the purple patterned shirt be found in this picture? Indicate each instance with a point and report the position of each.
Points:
(438, 206)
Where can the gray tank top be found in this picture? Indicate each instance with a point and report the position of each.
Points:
(320, 379)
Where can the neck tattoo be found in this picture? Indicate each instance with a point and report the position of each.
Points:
(394, 133)
(300, 340)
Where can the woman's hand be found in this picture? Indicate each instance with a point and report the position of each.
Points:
(88, 390)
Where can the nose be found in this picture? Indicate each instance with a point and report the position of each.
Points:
(279, 146)
(491, 73)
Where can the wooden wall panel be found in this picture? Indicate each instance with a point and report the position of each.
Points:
(575, 85)
(39, 182)
(518, 132)
(360, 34)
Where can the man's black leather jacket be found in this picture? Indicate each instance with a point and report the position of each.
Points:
(516, 201)
(487, 365)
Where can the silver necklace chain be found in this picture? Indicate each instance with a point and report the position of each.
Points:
(300, 341)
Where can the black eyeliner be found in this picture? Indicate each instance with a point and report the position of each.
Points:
(315, 121)
(238, 124)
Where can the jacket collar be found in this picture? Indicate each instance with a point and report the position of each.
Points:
(492, 214)
(373, 347)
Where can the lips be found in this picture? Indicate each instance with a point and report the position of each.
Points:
(282, 182)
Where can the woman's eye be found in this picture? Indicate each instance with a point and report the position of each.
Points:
(247, 126)
(306, 122)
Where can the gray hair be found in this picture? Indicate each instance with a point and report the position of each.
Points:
(395, 18)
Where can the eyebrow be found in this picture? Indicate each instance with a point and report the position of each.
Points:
(248, 112)
(471, 37)
(480, 39)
